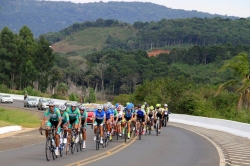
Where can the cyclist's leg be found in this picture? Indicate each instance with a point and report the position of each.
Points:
(160, 117)
(128, 128)
(70, 129)
(47, 127)
(108, 125)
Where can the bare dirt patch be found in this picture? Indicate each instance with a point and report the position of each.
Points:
(157, 52)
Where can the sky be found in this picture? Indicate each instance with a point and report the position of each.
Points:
(239, 8)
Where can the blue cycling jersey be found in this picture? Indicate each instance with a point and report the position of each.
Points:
(140, 113)
(128, 114)
(108, 114)
(99, 115)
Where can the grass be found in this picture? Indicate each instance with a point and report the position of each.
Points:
(18, 117)
(3, 124)
(92, 39)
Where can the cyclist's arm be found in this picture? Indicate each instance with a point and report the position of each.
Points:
(86, 117)
(93, 118)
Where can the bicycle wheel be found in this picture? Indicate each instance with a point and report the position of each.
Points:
(62, 149)
(125, 134)
(53, 147)
(72, 141)
(48, 151)
(157, 128)
(149, 131)
(140, 131)
(97, 139)
(80, 140)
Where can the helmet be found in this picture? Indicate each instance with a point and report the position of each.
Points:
(129, 106)
(62, 107)
(165, 105)
(99, 107)
(105, 106)
(82, 107)
(74, 104)
(119, 108)
(145, 103)
(158, 105)
(51, 103)
(151, 107)
(127, 103)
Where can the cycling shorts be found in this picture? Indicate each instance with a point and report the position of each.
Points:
(73, 122)
(82, 124)
(141, 117)
(98, 122)
(51, 123)
(159, 115)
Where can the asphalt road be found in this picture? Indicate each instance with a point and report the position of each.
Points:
(173, 147)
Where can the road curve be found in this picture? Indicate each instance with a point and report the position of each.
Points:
(174, 147)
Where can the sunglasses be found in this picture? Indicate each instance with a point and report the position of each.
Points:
(99, 109)
(51, 106)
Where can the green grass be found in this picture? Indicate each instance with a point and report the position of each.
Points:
(3, 123)
(18, 117)
(93, 39)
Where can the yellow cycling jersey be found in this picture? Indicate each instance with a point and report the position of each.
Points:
(164, 109)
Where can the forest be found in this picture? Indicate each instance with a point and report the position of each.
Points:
(205, 80)
(52, 16)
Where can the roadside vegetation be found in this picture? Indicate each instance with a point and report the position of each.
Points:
(19, 117)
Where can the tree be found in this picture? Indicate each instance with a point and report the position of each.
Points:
(241, 81)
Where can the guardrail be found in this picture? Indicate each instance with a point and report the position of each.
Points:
(236, 128)
(21, 97)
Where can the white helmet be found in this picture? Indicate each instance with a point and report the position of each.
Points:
(62, 107)
(99, 107)
(74, 104)
(165, 105)
(82, 107)
(51, 103)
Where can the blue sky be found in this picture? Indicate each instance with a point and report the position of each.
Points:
(240, 8)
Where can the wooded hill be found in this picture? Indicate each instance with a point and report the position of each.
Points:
(51, 16)
(87, 37)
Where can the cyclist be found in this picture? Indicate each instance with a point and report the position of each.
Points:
(54, 120)
(126, 118)
(119, 120)
(65, 121)
(74, 119)
(159, 113)
(140, 114)
(166, 112)
(25, 95)
(99, 118)
(113, 121)
(109, 116)
(84, 116)
(151, 116)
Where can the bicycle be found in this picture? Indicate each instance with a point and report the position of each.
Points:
(50, 146)
(157, 126)
(148, 127)
(105, 135)
(62, 146)
(126, 131)
(98, 137)
(72, 142)
(115, 131)
(140, 128)
(81, 138)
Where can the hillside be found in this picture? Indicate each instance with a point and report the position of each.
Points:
(87, 37)
(92, 39)
(51, 16)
